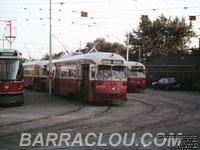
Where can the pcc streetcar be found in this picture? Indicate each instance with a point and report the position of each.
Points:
(11, 78)
(93, 76)
(97, 77)
(136, 76)
(35, 74)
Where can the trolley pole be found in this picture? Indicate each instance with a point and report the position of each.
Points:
(127, 52)
(50, 52)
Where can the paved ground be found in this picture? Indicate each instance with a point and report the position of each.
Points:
(144, 114)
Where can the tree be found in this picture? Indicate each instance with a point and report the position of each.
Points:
(101, 45)
(195, 51)
(161, 38)
(54, 56)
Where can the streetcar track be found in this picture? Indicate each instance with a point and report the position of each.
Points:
(2, 109)
(129, 119)
(181, 99)
(60, 124)
(173, 102)
(43, 118)
(156, 125)
(124, 121)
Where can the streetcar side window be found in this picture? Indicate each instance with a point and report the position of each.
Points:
(93, 71)
(44, 71)
(2, 70)
(79, 72)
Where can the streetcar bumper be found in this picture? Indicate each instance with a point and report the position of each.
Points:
(110, 97)
(11, 99)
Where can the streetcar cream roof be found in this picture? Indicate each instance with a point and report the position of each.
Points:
(96, 57)
(7, 50)
(134, 63)
(40, 63)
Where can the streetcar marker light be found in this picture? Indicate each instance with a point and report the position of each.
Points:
(6, 87)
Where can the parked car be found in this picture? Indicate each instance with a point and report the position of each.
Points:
(167, 84)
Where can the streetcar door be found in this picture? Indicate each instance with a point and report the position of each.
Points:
(85, 81)
(57, 75)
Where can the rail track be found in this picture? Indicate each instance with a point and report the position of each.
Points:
(146, 112)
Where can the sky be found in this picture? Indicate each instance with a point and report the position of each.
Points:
(109, 19)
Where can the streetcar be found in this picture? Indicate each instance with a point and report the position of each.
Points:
(35, 74)
(94, 77)
(136, 76)
(11, 78)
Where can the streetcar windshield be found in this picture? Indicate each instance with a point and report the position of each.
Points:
(138, 74)
(108, 72)
(119, 72)
(104, 72)
(9, 69)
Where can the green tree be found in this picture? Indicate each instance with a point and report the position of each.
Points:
(54, 56)
(102, 46)
(162, 37)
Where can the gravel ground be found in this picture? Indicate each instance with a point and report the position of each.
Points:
(144, 115)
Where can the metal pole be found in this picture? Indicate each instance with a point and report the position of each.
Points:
(80, 47)
(10, 34)
(3, 40)
(140, 54)
(50, 53)
(127, 52)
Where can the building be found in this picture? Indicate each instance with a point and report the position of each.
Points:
(186, 69)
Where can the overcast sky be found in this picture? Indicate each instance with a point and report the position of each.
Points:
(109, 19)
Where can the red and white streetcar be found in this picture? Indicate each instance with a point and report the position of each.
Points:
(35, 74)
(136, 76)
(97, 77)
(11, 77)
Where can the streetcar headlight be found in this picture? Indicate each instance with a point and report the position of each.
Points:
(138, 81)
(114, 88)
(6, 87)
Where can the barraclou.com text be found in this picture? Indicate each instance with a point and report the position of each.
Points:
(93, 139)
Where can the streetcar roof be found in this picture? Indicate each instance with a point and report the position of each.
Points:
(95, 57)
(6, 53)
(40, 63)
(130, 64)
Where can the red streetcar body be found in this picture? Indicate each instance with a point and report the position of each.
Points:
(136, 76)
(11, 77)
(15, 87)
(110, 90)
(96, 77)
(35, 74)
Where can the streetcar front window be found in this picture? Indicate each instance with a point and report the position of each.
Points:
(119, 72)
(104, 72)
(9, 69)
(134, 73)
(108, 72)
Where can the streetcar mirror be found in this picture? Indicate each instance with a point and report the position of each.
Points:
(93, 70)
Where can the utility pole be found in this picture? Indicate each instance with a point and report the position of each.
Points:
(3, 40)
(50, 51)
(127, 52)
(80, 47)
(140, 54)
(10, 36)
